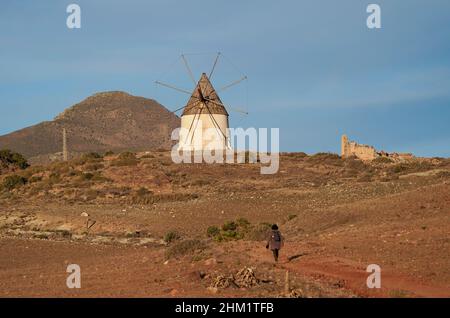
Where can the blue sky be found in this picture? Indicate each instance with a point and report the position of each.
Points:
(315, 70)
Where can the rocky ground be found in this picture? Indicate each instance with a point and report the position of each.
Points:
(139, 225)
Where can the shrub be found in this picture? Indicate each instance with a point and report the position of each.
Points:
(325, 155)
(93, 166)
(213, 231)
(259, 232)
(127, 155)
(87, 176)
(54, 177)
(34, 179)
(410, 167)
(125, 159)
(201, 182)
(443, 174)
(382, 160)
(13, 181)
(142, 192)
(232, 234)
(108, 153)
(356, 164)
(92, 155)
(150, 198)
(326, 158)
(243, 222)
(229, 226)
(185, 247)
(236, 230)
(7, 157)
(171, 236)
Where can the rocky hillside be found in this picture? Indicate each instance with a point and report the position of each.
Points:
(105, 121)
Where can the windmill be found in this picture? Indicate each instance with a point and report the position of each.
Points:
(204, 120)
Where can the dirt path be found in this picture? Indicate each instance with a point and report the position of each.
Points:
(37, 268)
(352, 276)
(349, 274)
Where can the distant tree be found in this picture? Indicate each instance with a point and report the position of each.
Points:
(8, 157)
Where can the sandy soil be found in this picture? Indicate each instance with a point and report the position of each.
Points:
(334, 225)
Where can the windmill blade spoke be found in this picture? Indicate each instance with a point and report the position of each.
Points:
(192, 124)
(214, 102)
(215, 122)
(188, 68)
(236, 109)
(239, 110)
(232, 84)
(214, 65)
(173, 87)
(174, 111)
(231, 108)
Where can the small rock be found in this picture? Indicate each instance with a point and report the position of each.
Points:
(210, 261)
(84, 214)
(213, 290)
(166, 262)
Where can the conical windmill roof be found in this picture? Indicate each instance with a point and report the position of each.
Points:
(204, 99)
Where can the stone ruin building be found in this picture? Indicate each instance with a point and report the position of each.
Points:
(368, 153)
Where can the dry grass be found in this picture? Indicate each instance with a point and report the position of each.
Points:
(185, 247)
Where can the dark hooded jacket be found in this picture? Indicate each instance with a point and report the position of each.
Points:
(275, 240)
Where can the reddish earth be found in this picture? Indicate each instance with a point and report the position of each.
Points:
(335, 217)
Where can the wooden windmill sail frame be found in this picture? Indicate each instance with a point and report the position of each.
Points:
(204, 99)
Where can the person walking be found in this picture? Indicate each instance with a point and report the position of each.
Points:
(275, 241)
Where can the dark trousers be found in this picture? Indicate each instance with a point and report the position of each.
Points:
(275, 254)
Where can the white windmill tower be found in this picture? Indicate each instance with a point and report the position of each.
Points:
(204, 121)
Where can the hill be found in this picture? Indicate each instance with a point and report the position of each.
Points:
(105, 121)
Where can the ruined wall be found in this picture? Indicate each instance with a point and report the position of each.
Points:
(352, 148)
(365, 152)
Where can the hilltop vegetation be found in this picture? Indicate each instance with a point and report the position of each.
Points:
(13, 160)
(151, 177)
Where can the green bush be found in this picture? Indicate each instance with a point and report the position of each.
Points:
(213, 231)
(7, 157)
(232, 234)
(243, 222)
(13, 181)
(229, 226)
(171, 236)
(233, 230)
